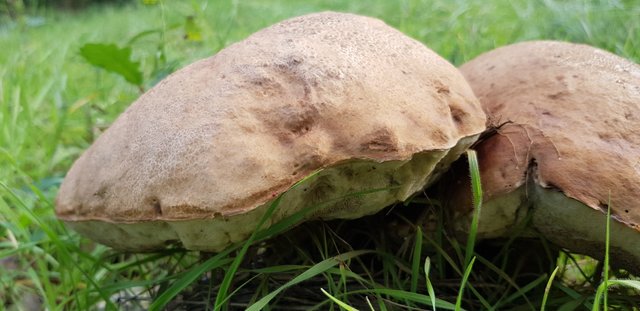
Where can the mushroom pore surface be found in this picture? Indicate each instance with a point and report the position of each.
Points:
(198, 158)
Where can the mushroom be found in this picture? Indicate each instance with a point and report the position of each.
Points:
(564, 146)
(199, 157)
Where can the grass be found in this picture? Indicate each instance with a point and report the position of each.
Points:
(53, 104)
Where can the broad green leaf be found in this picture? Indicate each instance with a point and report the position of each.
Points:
(192, 31)
(113, 59)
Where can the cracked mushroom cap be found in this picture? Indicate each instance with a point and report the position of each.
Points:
(198, 158)
(568, 147)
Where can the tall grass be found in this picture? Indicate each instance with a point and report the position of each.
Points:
(53, 104)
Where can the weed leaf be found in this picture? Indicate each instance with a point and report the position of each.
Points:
(113, 59)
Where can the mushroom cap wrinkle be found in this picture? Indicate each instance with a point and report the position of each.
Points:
(570, 147)
(199, 157)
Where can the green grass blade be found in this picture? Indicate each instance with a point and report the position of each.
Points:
(217, 261)
(603, 288)
(635, 284)
(63, 250)
(476, 188)
(415, 265)
(463, 284)
(369, 304)
(292, 220)
(237, 289)
(507, 278)
(453, 265)
(574, 295)
(432, 293)
(522, 292)
(445, 256)
(189, 277)
(606, 254)
(228, 277)
(318, 268)
(343, 280)
(338, 302)
(212, 263)
(408, 296)
(547, 289)
(572, 305)
(278, 269)
(600, 293)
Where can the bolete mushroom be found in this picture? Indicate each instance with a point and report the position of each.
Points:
(568, 147)
(199, 157)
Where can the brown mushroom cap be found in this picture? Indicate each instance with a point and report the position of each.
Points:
(198, 157)
(571, 149)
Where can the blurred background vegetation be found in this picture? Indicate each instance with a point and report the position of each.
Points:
(14, 9)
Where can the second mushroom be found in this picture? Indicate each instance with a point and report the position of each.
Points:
(568, 148)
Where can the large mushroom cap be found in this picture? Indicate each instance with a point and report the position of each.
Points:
(198, 157)
(569, 149)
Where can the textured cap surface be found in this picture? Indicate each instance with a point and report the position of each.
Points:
(574, 114)
(228, 133)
